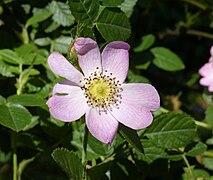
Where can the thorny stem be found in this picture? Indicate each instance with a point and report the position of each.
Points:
(188, 166)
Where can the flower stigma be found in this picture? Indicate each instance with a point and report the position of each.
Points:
(102, 90)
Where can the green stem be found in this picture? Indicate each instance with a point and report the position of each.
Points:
(85, 146)
(200, 33)
(15, 163)
(188, 166)
(195, 3)
(203, 125)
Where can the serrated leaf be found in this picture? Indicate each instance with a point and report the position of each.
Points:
(172, 130)
(62, 44)
(38, 17)
(153, 152)
(146, 42)
(113, 25)
(61, 13)
(10, 56)
(166, 59)
(84, 11)
(128, 6)
(26, 100)
(69, 162)
(132, 137)
(14, 116)
(112, 3)
(197, 149)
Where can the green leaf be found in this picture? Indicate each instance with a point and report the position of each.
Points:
(208, 163)
(97, 172)
(61, 13)
(98, 147)
(7, 70)
(198, 174)
(134, 78)
(199, 148)
(112, 3)
(26, 100)
(153, 152)
(209, 115)
(132, 137)
(69, 162)
(84, 11)
(62, 44)
(43, 41)
(166, 59)
(38, 17)
(172, 130)
(9, 56)
(146, 42)
(2, 100)
(128, 6)
(14, 116)
(113, 25)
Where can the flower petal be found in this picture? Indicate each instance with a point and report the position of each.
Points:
(206, 69)
(88, 55)
(115, 59)
(207, 81)
(141, 94)
(68, 107)
(136, 103)
(60, 66)
(102, 126)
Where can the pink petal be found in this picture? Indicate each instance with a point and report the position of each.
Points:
(136, 103)
(102, 126)
(206, 69)
(115, 59)
(141, 94)
(88, 55)
(60, 66)
(210, 88)
(207, 81)
(68, 107)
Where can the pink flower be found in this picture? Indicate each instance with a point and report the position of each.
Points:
(100, 93)
(207, 72)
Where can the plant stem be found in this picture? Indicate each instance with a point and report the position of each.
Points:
(203, 125)
(188, 166)
(195, 3)
(15, 166)
(85, 146)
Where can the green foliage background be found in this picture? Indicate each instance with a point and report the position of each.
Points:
(170, 40)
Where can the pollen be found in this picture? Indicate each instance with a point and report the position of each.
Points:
(102, 90)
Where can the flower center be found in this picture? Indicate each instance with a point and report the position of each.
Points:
(102, 90)
(99, 89)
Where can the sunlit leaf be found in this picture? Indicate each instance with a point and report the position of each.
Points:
(38, 17)
(112, 3)
(166, 59)
(146, 42)
(128, 6)
(14, 116)
(26, 100)
(61, 13)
